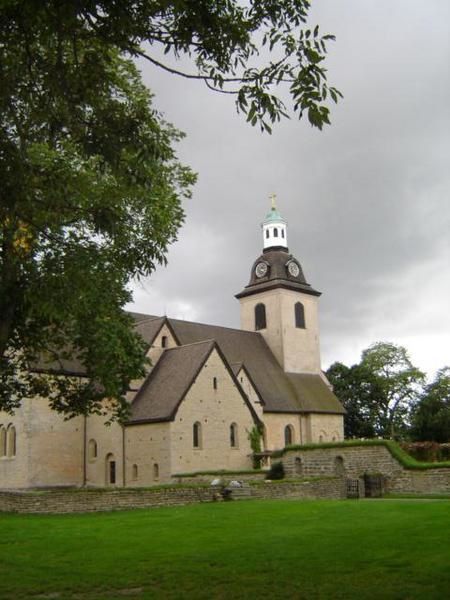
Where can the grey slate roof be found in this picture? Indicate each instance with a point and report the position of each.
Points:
(163, 391)
(313, 394)
(279, 392)
(170, 380)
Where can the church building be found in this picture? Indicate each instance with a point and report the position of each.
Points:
(207, 389)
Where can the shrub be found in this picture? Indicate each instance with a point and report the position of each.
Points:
(276, 471)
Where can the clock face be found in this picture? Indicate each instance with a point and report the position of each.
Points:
(261, 269)
(293, 269)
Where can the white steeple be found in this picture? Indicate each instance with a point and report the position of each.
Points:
(274, 228)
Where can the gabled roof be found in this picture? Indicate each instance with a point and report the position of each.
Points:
(166, 386)
(279, 392)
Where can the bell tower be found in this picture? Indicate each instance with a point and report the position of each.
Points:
(280, 304)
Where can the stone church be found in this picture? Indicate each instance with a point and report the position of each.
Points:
(207, 388)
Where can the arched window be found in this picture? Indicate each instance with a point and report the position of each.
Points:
(234, 435)
(282, 233)
(288, 435)
(155, 471)
(215, 383)
(260, 317)
(267, 234)
(299, 315)
(11, 440)
(134, 472)
(92, 449)
(197, 435)
(275, 232)
(164, 341)
(2, 441)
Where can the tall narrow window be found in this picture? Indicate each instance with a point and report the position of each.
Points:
(234, 435)
(267, 234)
(275, 232)
(134, 472)
(288, 435)
(155, 471)
(282, 233)
(2, 441)
(11, 440)
(215, 383)
(164, 341)
(299, 315)
(260, 317)
(92, 450)
(197, 435)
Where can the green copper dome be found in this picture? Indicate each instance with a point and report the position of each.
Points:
(273, 215)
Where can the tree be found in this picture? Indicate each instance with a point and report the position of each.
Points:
(399, 383)
(431, 415)
(361, 396)
(378, 392)
(91, 187)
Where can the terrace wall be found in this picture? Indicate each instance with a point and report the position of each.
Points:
(357, 460)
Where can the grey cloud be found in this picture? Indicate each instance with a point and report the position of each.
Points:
(366, 200)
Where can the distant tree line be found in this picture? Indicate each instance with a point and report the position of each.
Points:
(385, 395)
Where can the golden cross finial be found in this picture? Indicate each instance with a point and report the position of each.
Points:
(273, 198)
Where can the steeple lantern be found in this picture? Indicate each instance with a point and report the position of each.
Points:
(274, 229)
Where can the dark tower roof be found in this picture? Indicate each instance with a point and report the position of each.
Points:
(283, 271)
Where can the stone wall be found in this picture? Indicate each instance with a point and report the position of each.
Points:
(77, 501)
(353, 461)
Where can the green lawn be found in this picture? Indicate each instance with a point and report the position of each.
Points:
(397, 549)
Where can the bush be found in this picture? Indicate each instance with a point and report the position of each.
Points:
(276, 471)
(423, 451)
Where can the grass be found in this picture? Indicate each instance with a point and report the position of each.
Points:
(314, 550)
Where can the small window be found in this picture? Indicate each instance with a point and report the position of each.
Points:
(134, 472)
(92, 449)
(267, 234)
(2, 441)
(155, 471)
(215, 383)
(299, 315)
(197, 435)
(234, 435)
(282, 233)
(260, 317)
(288, 435)
(11, 441)
(275, 232)
(164, 341)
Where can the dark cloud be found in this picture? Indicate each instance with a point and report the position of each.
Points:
(367, 200)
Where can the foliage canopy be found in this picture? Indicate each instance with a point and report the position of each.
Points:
(91, 187)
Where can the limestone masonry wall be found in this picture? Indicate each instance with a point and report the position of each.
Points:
(353, 461)
(65, 501)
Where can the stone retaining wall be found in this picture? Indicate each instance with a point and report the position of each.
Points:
(65, 501)
(353, 461)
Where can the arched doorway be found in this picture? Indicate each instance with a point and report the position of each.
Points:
(339, 467)
(110, 466)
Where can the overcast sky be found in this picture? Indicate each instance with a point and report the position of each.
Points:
(366, 200)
